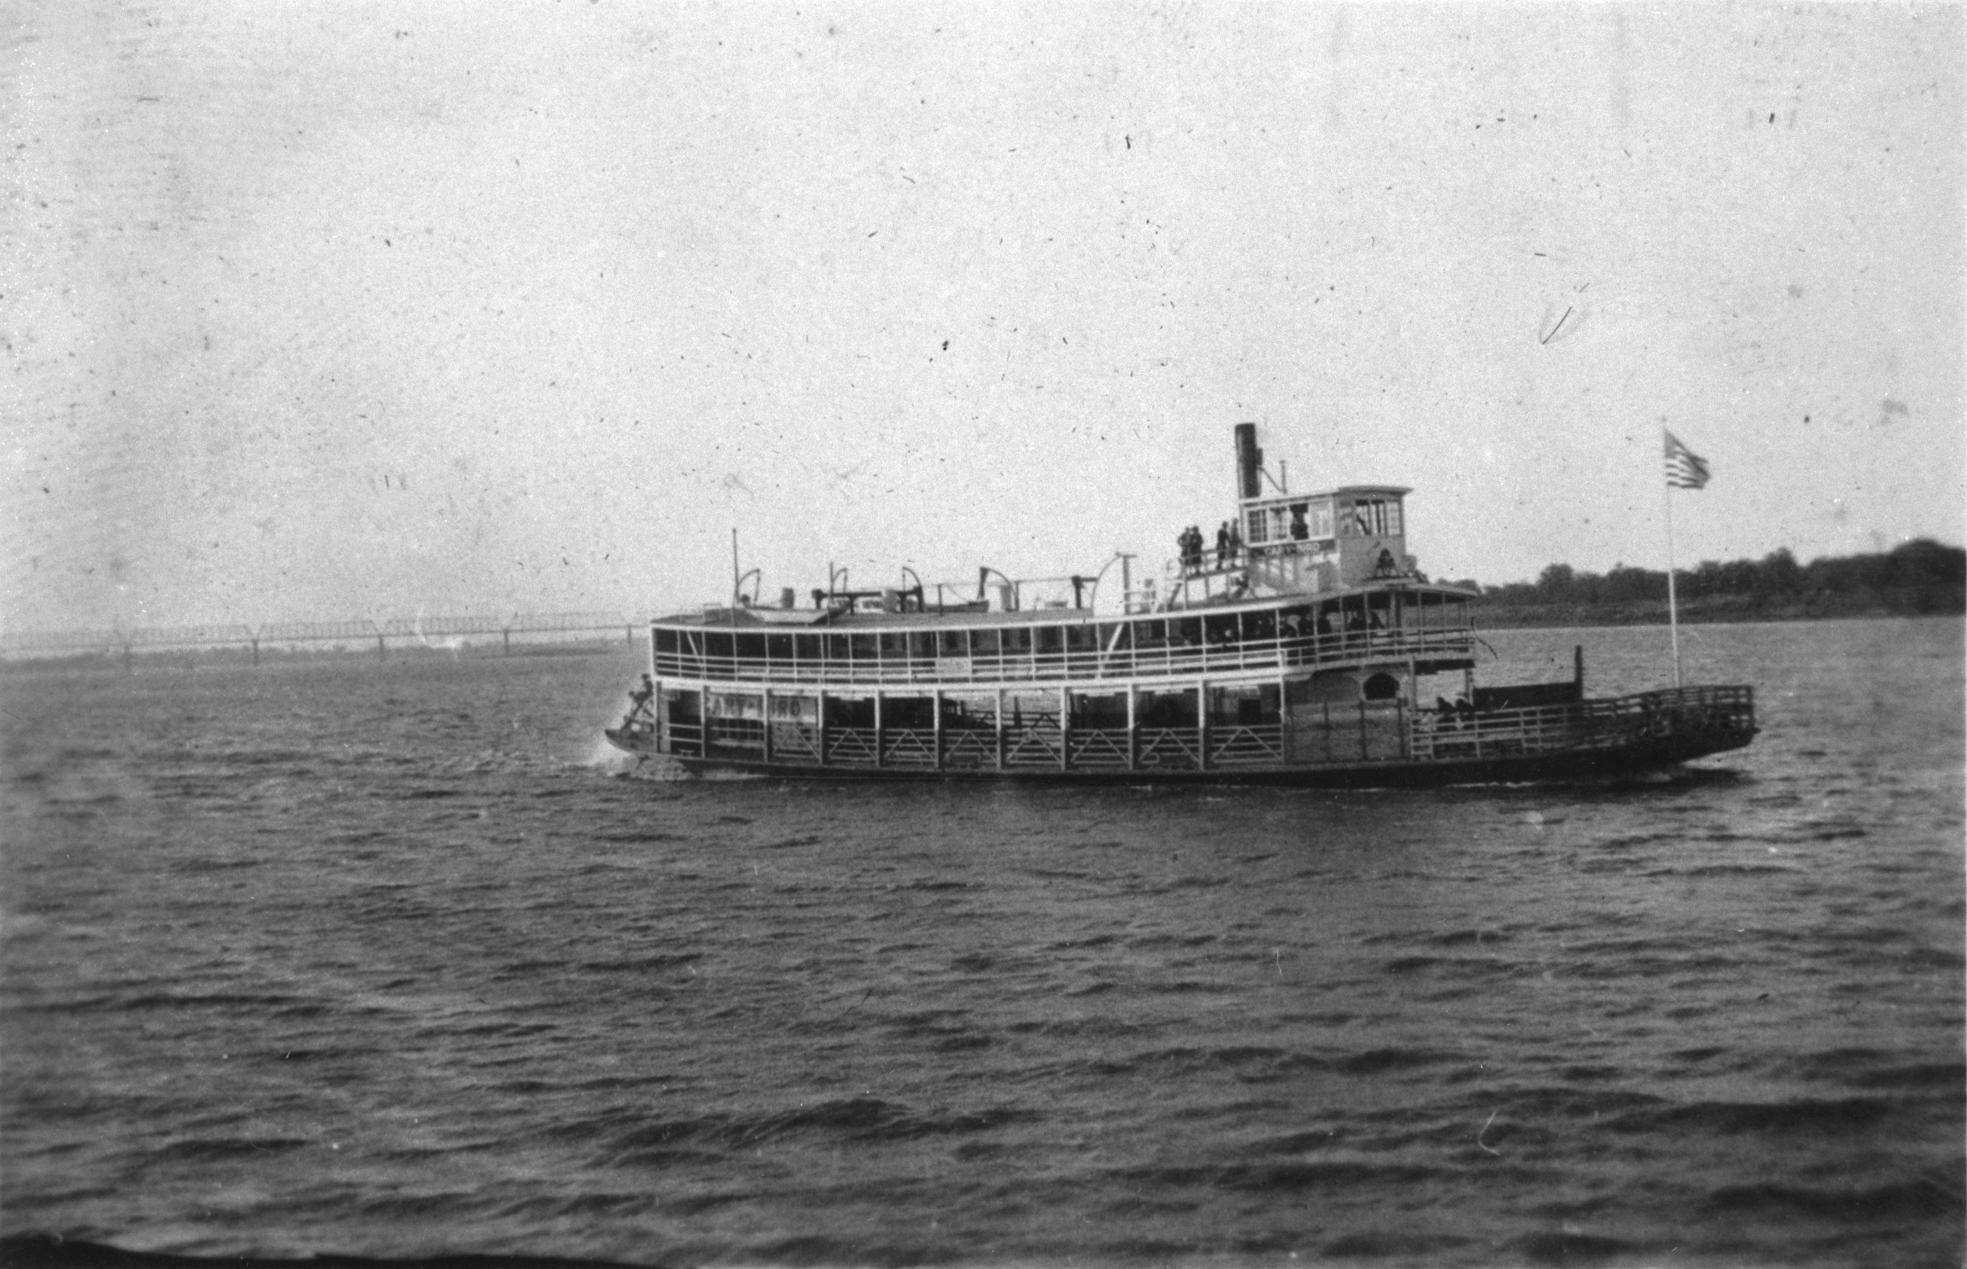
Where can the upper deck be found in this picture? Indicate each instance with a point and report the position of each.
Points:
(1393, 621)
(1295, 583)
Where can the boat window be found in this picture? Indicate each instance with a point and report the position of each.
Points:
(954, 643)
(1115, 635)
(1253, 705)
(1017, 639)
(894, 645)
(863, 647)
(806, 647)
(922, 643)
(1372, 517)
(1049, 639)
(778, 647)
(1098, 709)
(1256, 529)
(983, 643)
(751, 646)
(1300, 530)
(836, 647)
(1165, 709)
(1081, 638)
(665, 640)
(1187, 632)
(717, 643)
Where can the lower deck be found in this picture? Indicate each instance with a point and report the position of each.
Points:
(1251, 731)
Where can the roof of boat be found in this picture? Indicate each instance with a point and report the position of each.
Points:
(1340, 491)
(847, 619)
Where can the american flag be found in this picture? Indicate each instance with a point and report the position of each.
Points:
(1684, 468)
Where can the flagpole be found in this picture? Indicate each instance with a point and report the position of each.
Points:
(1672, 599)
(1688, 470)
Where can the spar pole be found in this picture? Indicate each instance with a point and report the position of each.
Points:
(1672, 598)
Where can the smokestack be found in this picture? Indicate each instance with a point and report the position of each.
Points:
(1249, 462)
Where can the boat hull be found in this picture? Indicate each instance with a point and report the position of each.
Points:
(1640, 756)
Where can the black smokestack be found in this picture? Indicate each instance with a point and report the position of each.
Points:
(1249, 462)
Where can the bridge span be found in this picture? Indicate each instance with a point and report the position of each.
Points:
(450, 632)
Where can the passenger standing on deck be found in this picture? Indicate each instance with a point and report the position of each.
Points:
(1222, 545)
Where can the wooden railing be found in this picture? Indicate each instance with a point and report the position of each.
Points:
(1603, 724)
(1080, 665)
(1041, 746)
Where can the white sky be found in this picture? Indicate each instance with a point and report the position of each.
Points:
(332, 310)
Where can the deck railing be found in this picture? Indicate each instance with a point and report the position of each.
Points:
(1040, 746)
(1601, 724)
(1075, 665)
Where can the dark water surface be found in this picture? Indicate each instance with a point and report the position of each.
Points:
(397, 960)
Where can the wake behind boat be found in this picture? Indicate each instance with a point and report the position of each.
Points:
(1305, 648)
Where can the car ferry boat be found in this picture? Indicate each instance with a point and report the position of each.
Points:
(1306, 649)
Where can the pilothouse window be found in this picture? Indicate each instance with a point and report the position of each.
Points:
(1374, 518)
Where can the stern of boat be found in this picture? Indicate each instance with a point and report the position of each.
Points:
(1658, 727)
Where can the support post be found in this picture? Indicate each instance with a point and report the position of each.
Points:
(999, 720)
(1202, 725)
(1133, 732)
(880, 733)
(1065, 729)
(1287, 748)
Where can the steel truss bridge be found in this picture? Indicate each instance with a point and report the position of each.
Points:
(438, 632)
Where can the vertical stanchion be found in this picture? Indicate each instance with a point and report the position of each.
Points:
(1672, 594)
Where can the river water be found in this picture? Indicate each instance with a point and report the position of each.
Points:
(398, 960)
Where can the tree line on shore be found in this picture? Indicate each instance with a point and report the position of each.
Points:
(1919, 577)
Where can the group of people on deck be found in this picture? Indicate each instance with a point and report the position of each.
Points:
(1229, 547)
(1453, 715)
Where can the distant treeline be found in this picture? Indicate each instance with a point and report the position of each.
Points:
(1918, 578)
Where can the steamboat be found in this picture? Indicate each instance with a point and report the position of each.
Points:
(1305, 648)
